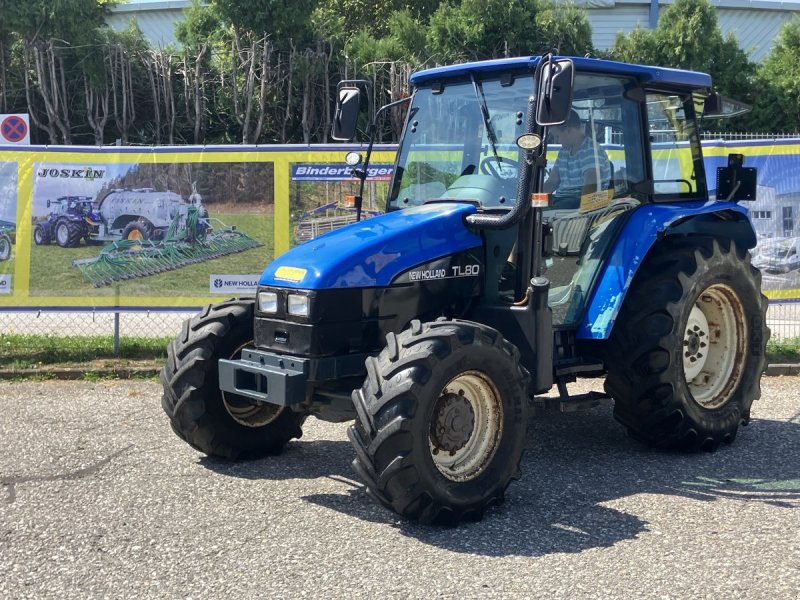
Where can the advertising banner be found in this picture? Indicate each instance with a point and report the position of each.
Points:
(775, 213)
(106, 228)
(164, 228)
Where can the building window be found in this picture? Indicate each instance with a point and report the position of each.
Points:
(788, 221)
(762, 214)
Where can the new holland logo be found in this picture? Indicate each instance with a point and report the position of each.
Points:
(88, 173)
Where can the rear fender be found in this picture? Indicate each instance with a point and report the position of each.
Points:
(646, 225)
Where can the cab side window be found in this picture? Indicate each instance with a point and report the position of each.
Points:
(677, 163)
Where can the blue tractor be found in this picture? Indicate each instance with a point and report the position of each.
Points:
(439, 325)
(66, 224)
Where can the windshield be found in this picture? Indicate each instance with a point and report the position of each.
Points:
(460, 143)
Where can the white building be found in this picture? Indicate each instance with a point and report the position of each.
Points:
(156, 18)
(755, 23)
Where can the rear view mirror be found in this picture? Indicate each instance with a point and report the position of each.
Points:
(717, 106)
(554, 91)
(736, 182)
(345, 118)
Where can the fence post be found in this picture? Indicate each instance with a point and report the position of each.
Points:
(116, 334)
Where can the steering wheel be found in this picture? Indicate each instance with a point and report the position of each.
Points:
(505, 170)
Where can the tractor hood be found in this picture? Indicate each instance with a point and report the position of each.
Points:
(373, 252)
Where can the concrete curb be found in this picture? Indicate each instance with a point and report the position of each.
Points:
(142, 372)
(782, 369)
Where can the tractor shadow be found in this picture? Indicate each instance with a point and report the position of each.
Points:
(573, 466)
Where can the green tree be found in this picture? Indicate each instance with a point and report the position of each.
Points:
(282, 22)
(777, 104)
(688, 36)
(56, 39)
(479, 29)
(342, 20)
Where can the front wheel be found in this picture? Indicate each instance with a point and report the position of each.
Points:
(441, 424)
(40, 235)
(689, 346)
(5, 247)
(213, 422)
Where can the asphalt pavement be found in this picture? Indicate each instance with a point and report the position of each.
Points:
(99, 499)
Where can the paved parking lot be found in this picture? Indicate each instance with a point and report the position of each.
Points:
(98, 498)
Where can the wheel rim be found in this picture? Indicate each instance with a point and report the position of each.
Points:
(714, 340)
(244, 411)
(63, 234)
(135, 235)
(37, 236)
(466, 426)
(5, 249)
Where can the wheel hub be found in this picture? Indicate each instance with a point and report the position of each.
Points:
(466, 426)
(695, 342)
(714, 343)
(453, 423)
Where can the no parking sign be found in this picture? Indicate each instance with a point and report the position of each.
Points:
(15, 130)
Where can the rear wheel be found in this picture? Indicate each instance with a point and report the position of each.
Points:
(689, 346)
(213, 422)
(137, 230)
(69, 234)
(441, 423)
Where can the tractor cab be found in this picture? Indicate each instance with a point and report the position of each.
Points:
(633, 139)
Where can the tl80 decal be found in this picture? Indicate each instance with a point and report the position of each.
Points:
(448, 273)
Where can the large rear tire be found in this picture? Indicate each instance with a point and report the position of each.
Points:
(213, 422)
(69, 234)
(689, 346)
(137, 230)
(441, 424)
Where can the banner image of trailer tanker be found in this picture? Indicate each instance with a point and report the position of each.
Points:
(115, 225)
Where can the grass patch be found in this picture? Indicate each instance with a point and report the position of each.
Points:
(34, 351)
(784, 351)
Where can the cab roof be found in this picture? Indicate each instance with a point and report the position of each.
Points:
(644, 74)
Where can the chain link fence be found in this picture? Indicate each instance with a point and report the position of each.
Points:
(32, 338)
(42, 336)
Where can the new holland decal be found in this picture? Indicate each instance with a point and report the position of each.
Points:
(450, 273)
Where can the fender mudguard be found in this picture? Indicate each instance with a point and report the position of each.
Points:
(647, 224)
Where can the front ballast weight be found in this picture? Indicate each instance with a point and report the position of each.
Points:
(129, 259)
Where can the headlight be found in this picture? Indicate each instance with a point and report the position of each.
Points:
(298, 305)
(268, 302)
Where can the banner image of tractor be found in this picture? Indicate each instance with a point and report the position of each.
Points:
(8, 223)
(148, 229)
(322, 198)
